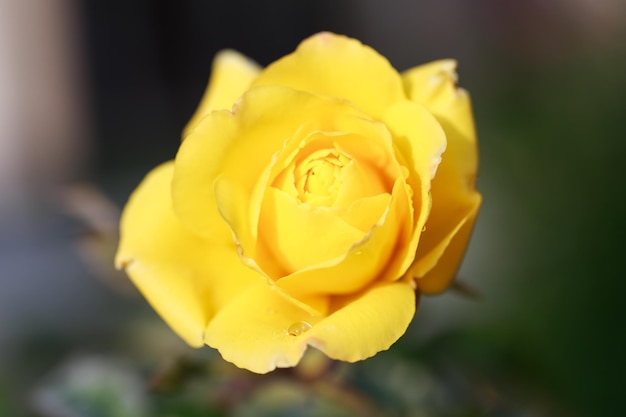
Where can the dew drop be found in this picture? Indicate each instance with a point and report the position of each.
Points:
(299, 327)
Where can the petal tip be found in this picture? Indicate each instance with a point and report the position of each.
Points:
(325, 37)
(232, 56)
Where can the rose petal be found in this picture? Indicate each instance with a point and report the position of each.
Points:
(454, 208)
(374, 169)
(378, 256)
(455, 201)
(186, 279)
(198, 163)
(293, 235)
(341, 67)
(252, 331)
(367, 146)
(447, 255)
(260, 330)
(231, 76)
(434, 86)
(240, 146)
(420, 141)
(371, 322)
(296, 236)
(365, 212)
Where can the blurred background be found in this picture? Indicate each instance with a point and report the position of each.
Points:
(94, 94)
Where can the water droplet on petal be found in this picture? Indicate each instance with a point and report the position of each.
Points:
(299, 327)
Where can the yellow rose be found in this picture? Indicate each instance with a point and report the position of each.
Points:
(301, 208)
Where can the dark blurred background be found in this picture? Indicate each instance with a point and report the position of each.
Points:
(94, 94)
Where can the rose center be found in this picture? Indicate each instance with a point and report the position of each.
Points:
(318, 176)
(328, 187)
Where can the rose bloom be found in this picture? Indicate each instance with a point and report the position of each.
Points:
(309, 204)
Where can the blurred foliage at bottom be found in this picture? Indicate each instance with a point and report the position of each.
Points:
(449, 376)
(433, 383)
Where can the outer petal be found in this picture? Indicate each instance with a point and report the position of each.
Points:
(369, 323)
(198, 164)
(338, 66)
(253, 330)
(420, 141)
(231, 76)
(260, 330)
(447, 255)
(434, 86)
(455, 200)
(186, 279)
(454, 210)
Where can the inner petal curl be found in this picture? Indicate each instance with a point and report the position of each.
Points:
(318, 176)
(319, 192)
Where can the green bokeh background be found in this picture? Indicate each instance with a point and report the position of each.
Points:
(546, 335)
